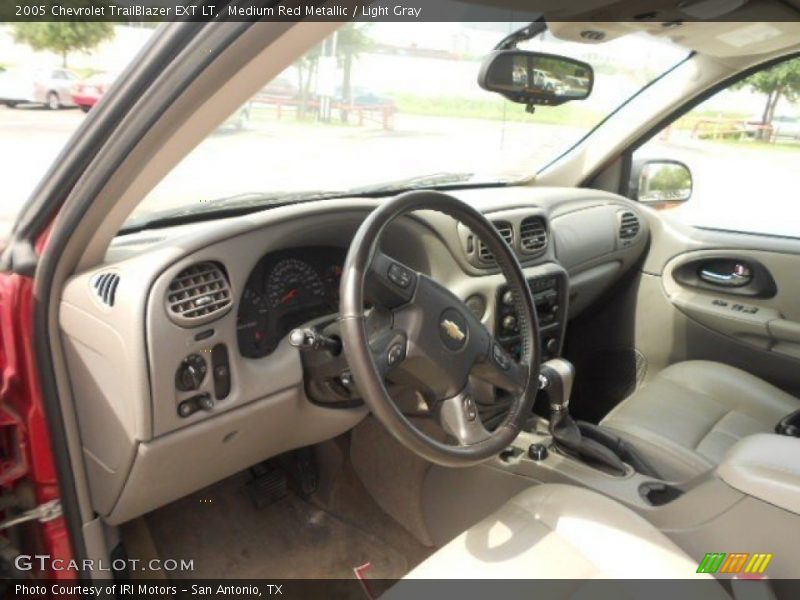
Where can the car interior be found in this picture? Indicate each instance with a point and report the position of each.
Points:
(483, 381)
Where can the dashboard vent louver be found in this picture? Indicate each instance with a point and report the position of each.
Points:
(105, 286)
(629, 225)
(533, 234)
(506, 231)
(199, 294)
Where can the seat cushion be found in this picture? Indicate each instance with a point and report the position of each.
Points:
(690, 414)
(557, 531)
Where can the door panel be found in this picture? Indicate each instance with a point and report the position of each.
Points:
(654, 321)
(769, 323)
(754, 327)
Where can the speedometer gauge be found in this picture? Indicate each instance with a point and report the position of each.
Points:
(294, 283)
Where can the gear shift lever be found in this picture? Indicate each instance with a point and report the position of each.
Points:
(556, 377)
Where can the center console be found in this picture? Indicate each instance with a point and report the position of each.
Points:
(550, 294)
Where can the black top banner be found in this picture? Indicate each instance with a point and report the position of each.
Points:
(665, 11)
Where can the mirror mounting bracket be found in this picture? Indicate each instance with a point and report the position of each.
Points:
(528, 32)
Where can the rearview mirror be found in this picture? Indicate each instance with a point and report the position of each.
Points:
(534, 78)
(661, 181)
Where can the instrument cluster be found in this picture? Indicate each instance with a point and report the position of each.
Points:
(286, 289)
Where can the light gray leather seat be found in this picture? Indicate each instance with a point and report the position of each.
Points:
(690, 414)
(558, 531)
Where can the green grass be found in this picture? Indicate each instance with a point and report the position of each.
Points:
(781, 145)
(573, 113)
(690, 120)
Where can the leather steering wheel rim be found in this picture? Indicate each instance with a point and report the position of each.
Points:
(369, 366)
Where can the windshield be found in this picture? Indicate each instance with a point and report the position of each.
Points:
(391, 106)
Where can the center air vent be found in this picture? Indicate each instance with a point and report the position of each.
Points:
(199, 294)
(506, 231)
(629, 225)
(533, 235)
(105, 286)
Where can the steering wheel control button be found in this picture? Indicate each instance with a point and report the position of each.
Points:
(400, 276)
(510, 323)
(501, 358)
(537, 452)
(508, 298)
(453, 329)
(470, 410)
(396, 353)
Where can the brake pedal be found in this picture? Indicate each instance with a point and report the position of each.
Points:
(267, 486)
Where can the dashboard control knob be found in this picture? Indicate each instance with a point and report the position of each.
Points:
(508, 298)
(205, 402)
(537, 452)
(191, 373)
(510, 323)
(551, 345)
(554, 309)
(186, 408)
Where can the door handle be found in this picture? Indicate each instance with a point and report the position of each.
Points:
(740, 275)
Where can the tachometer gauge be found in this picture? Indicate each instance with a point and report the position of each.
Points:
(252, 325)
(293, 283)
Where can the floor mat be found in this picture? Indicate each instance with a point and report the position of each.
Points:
(226, 536)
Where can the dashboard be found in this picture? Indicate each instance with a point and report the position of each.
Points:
(286, 289)
(177, 348)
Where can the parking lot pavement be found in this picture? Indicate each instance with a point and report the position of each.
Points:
(30, 140)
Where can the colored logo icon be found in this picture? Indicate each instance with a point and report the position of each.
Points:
(734, 563)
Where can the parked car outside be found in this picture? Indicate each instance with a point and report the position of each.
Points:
(50, 87)
(87, 92)
(786, 127)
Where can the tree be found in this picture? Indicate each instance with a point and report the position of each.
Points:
(780, 81)
(306, 67)
(352, 41)
(63, 37)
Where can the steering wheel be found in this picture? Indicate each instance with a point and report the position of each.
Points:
(431, 340)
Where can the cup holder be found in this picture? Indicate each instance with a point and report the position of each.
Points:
(657, 493)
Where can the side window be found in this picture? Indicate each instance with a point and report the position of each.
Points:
(742, 151)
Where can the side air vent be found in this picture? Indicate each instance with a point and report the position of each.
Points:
(629, 225)
(105, 286)
(533, 235)
(199, 294)
(506, 231)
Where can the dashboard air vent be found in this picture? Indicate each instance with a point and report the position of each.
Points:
(629, 225)
(506, 231)
(199, 294)
(533, 234)
(105, 286)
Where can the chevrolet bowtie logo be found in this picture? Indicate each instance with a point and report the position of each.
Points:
(453, 330)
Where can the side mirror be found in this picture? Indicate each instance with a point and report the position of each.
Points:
(664, 182)
(534, 78)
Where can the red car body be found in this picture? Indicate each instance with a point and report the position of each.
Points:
(24, 434)
(87, 92)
